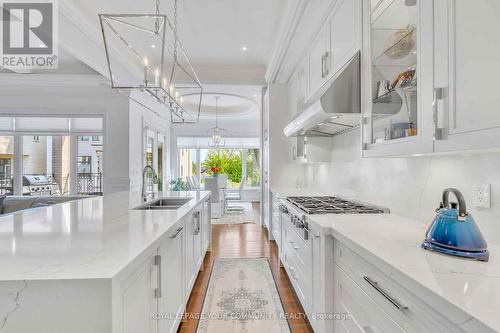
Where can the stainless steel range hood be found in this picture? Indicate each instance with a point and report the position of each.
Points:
(337, 110)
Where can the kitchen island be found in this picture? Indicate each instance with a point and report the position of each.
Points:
(99, 265)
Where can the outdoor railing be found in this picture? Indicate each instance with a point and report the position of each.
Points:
(89, 183)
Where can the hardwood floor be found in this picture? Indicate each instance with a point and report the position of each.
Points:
(240, 241)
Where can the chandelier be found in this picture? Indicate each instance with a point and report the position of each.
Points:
(143, 52)
(217, 134)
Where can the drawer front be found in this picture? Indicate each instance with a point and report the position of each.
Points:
(405, 308)
(301, 284)
(364, 315)
(301, 250)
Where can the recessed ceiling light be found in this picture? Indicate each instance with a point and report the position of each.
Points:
(244, 48)
(153, 46)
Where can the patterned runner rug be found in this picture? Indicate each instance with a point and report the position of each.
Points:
(242, 297)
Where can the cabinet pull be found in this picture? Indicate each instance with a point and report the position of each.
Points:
(197, 223)
(310, 231)
(323, 62)
(437, 95)
(324, 67)
(157, 291)
(376, 286)
(177, 232)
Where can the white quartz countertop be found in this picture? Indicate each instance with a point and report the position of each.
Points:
(392, 243)
(84, 239)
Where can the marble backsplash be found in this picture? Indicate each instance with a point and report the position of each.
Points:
(410, 187)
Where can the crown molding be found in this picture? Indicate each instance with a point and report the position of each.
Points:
(292, 18)
(303, 24)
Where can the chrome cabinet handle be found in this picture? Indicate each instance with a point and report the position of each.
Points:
(157, 262)
(197, 219)
(323, 62)
(177, 232)
(376, 286)
(438, 132)
(325, 71)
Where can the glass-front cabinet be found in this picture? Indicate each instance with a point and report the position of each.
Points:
(398, 86)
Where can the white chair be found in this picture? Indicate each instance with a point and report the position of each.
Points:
(190, 184)
(234, 196)
(212, 185)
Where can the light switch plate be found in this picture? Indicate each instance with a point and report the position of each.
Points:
(482, 196)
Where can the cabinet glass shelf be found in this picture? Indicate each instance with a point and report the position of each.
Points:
(394, 49)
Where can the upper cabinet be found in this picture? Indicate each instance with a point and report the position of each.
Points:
(428, 68)
(319, 61)
(345, 33)
(398, 84)
(467, 48)
(335, 44)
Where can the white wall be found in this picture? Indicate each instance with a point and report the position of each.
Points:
(410, 187)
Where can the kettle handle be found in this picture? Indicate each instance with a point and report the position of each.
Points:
(462, 209)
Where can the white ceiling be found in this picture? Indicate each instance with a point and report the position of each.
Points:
(211, 31)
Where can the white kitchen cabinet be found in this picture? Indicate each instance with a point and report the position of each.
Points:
(171, 262)
(197, 240)
(467, 47)
(397, 78)
(450, 104)
(206, 228)
(189, 248)
(345, 33)
(313, 150)
(365, 315)
(298, 86)
(319, 61)
(138, 300)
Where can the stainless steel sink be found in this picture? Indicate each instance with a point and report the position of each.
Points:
(164, 203)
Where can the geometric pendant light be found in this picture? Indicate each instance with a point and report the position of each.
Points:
(156, 63)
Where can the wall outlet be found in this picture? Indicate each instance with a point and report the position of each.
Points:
(482, 197)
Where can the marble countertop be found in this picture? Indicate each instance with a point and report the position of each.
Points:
(392, 243)
(84, 239)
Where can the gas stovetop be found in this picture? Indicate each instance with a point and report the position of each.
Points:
(331, 205)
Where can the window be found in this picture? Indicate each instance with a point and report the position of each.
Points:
(50, 158)
(160, 166)
(252, 179)
(90, 167)
(199, 163)
(47, 157)
(84, 164)
(6, 164)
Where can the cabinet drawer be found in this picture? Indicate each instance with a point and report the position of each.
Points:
(301, 284)
(408, 310)
(300, 250)
(363, 314)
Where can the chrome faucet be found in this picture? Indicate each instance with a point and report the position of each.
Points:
(145, 193)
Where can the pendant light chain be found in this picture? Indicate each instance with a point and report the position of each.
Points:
(157, 21)
(175, 30)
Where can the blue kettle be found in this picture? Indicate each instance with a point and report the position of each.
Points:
(454, 231)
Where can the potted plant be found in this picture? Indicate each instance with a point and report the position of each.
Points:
(215, 171)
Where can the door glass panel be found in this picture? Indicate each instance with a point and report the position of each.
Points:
(46, 165)
(394, 52)
(6, 165)
(90, 165)
(160, 165)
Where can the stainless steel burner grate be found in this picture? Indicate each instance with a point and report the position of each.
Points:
(331, 205)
